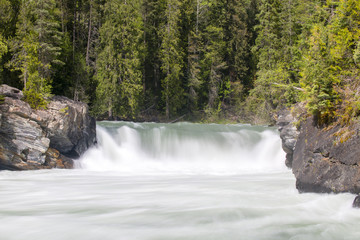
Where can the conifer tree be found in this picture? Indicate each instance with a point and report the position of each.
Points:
(195, 49)
(213, 61)
(5, 10)
(272, 51)
(237, 36)
(329, 65)
(119, 72)
(153, 12)
(36, 48)
(317, 76)
(171, 59)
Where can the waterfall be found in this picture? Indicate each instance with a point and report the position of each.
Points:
(184, 148)
(173, 181)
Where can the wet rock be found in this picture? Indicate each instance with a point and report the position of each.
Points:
(356, 203)
(37, 139)
(56, 160)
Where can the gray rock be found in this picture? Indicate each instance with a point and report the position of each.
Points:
(38, 139)
(11, 92)
(70, 128)
(356, 203)
(288, 134)
(324, 162)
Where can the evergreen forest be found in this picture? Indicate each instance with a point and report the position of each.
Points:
(200, 60)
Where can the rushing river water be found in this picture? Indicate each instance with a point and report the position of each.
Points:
(164, 182)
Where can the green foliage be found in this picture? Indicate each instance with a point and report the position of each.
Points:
(195, 57)
(318, 77)
(119, 73)
(356, 56)
(274, 48)
(329, 60)
(3, 47)
(65, 110)
(171, 58)
(35, 49)
(2, 99)
(5, 18)
(35, 99)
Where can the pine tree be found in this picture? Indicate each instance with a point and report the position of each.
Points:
(153, 12)
(36, 49)
(25, 59)
(8, 17)
(5, 10)
(195, 80)
(238, 37)
(194, 70)
(119, 72)
(273, 49)
(171, 59)
(214, 64)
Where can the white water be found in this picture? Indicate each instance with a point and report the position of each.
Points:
(185, 149)
(164, 182)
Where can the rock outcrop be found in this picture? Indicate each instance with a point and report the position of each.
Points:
(40, 139)
(288, 134)
(356, 203)
(323, 160)
(327, 159)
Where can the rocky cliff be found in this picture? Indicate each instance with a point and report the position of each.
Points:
(288, 134)
(40, 139)
(323, 159)
(327, 159)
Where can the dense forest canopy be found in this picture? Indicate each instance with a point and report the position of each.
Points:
(203, 59)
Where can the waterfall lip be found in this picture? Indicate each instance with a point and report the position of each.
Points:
(184, 148)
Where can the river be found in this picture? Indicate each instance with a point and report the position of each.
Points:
(173, 181)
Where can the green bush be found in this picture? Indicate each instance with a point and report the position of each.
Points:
(35, 100)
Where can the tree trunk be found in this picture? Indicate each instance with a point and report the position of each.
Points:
(62, 17)
(74, 34)
(74, 43)
(110, 111)
(197, 17)
(89, 36)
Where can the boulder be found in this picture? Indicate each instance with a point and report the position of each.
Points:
(69, 127)
(356, 203)
(11, 92)
(288, 133)
(41, 139)
(327, 159)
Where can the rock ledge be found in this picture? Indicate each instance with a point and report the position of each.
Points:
(42, 139)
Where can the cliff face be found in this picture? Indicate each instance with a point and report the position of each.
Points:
(327, 159)
(323, 160)
(41, 139)
(288, 134)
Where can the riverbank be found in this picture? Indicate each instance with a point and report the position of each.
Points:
(323, 159)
